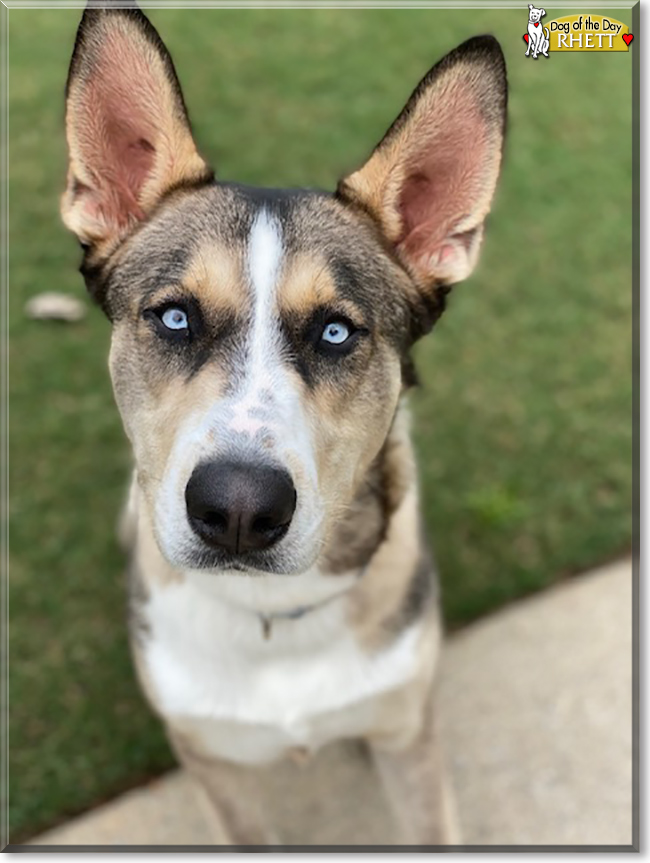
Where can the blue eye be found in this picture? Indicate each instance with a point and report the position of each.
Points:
(175, 319)
(336, 333)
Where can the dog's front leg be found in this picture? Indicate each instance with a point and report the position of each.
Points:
(416, 785)
(233, 802)
(230, 792)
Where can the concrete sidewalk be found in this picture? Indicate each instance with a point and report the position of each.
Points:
(536, 705)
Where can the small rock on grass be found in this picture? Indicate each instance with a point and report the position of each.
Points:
(55, 307)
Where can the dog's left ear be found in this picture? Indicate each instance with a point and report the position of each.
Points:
(429, 183)
(128, 133)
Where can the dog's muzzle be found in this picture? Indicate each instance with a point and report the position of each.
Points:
(240, 508)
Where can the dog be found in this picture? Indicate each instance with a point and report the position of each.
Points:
(281, 594)
(538, 35)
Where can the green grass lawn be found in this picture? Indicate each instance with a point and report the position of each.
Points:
(523, 420)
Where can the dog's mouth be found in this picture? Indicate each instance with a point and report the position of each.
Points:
(217, 562)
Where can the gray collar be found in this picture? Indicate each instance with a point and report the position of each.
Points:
(267, 620)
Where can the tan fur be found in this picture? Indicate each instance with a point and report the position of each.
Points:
(341, 421)
(385, 581)
(232, 791)
(216, 276)
(154, 567)
(306, 282)
(349, 430)
(415, 777)
(154, 413)
(356, 536)
(387, 500)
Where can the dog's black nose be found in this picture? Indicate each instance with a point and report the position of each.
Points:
(239, 507)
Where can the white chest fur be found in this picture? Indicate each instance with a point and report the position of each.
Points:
(248, 698)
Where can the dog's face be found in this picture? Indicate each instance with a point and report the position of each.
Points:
(260, 336)
(267, 336)
(535, 15)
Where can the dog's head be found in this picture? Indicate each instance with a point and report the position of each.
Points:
(535, 15)
(260, 337)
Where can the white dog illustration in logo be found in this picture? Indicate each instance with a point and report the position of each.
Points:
(538, 35)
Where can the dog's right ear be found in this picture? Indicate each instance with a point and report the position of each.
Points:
(128, 133)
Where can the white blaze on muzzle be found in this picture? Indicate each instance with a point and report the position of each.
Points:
(263, 421)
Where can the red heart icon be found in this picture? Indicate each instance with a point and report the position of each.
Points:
(627, 38)
(526, 38)
(537, 24)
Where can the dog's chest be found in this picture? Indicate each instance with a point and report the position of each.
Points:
(213, 674)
